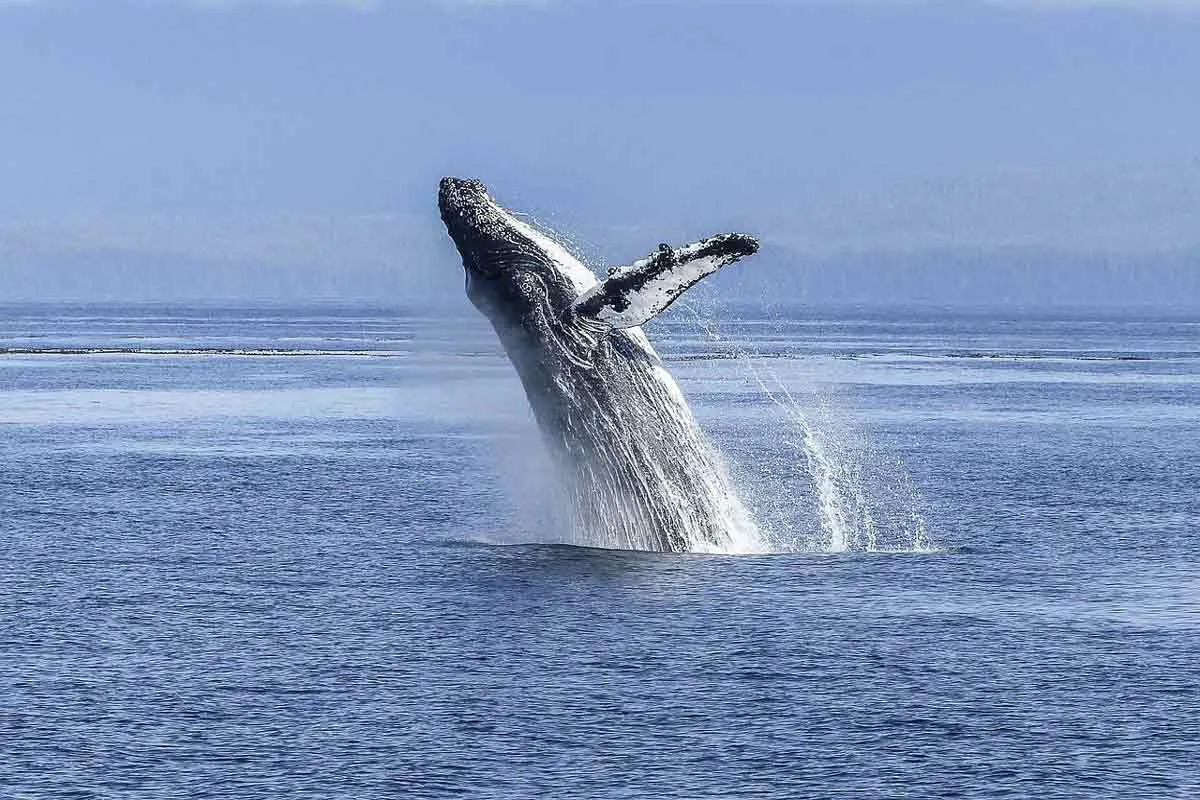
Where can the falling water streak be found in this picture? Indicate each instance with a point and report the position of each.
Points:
(843, 505)
(822, 469)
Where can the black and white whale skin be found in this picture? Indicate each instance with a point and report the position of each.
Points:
(637, 470)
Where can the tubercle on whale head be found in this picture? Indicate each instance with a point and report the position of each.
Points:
(514, 273)
(473, 221)
(457, 194)
(491, 240)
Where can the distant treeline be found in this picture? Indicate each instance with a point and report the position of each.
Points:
(957, 277)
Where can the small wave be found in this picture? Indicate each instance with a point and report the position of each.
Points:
(725, 356)
(580, 550)
(1054, 356)
(968, 355)
(196, 351)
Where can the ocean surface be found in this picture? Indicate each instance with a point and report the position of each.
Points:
(308, 553)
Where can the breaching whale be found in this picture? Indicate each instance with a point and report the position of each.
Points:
(636, 469)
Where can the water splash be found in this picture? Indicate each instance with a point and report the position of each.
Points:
(859, 499)
(644, 490)
(628, 476)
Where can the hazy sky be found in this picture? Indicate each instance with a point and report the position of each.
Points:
(313, 133)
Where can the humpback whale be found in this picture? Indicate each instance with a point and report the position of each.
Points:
(635, 467)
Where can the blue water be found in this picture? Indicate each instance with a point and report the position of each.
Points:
(304, 553)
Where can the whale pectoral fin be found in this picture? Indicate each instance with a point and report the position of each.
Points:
(631, 295)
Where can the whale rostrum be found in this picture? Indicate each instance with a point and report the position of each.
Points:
(635, 468)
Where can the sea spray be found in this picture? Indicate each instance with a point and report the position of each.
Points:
(547, 503)
(835, 492)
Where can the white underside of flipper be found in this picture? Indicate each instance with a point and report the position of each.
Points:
(632, 295)
(658, 292)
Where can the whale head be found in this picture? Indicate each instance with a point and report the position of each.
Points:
(515, 274)
(541, 298)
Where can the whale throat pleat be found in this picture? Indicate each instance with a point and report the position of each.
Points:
(634, 294)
